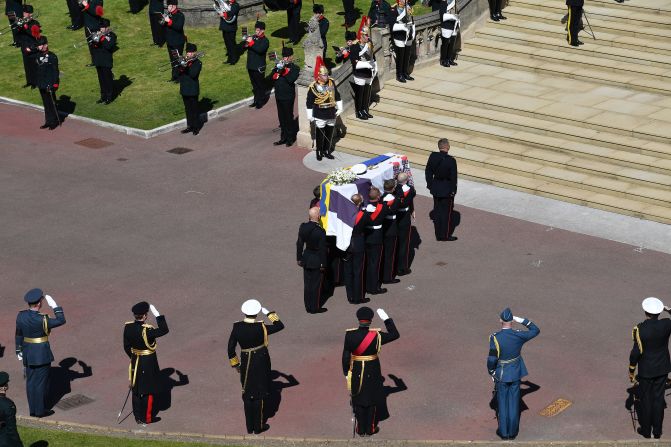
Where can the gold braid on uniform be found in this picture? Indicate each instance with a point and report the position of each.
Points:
(151, 348)
(637, 339)
(326, 97)
(272, 316)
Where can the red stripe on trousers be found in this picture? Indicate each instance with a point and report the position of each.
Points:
(150, 404)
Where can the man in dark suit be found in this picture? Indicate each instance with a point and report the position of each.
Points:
(253, 365)
(155, 15)
(406, 212)
(355, 256)
(311, 255)
(228, 25)
(139, 343)
(294, 20)
(651, 354)
(285, 75)
(103, 46)
(33, 348)
(189, 87)
(441, 179)
(9, 436)
(257, 47)
(173, 23)
(361, 366)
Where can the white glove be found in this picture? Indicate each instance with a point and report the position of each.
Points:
(383, 315)
(518, 319)
(265, 311)
(153, 310)
(50, 301)
(19, 356)
(308, 112)
(338, 108)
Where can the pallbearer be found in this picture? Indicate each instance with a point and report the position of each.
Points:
(406, 211)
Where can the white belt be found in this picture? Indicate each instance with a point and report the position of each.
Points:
(407, 208)
(375, 227)
(392, 217)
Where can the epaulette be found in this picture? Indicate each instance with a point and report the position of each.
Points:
(148, 326)
(352, 329)
(129, 322)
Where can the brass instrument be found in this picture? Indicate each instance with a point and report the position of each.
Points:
(19, 22)
(93, 38)
(182, 61)
(221, 6)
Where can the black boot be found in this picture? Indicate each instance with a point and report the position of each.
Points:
(400, 51)
(366, 99)
(319, 143)
(327, 148)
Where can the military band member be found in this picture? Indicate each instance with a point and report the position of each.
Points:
(651, 354)
(76, 15)
(14, 11)
(155, 17)
(103, 44)
(92, 12)
(9, 436)
(379, 13)
(361, 366)
(376, 211)
(441, 179)
(189, 87)
(173, 24)
(406, 212)
(574, 21)
(257, 47)
(318, 11)
(449, 30)
(350, 13)
(311, 255)
(403, 36)
(139, 343)
(364, 70)
(390, 231)
(285, 75)
(506, 367)
(33, 348)
(48, 81)
(27, 35)
(355, 257)
(323, 106)
(253, 365)
(228, 24)
(294, 20)
(343, 53)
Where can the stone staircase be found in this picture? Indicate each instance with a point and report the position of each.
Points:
(523, 110)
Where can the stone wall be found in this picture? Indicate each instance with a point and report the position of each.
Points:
(202, 13)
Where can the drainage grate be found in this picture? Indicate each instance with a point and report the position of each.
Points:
(94, 143)
(441, 263)
(555, 407)
(180, 150)
(73, 402)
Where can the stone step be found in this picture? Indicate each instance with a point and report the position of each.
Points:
(648, 6)
(527, 184)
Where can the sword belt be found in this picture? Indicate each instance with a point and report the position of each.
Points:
(35, 340)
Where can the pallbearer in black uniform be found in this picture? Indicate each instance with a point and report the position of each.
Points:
(364, 70)
(173, 23)
(403, 35)
(495, 10)
(361, 366)
(48, 81)
(651, 354)
(441, 179)
(92, 12)
(573, 24)
(355, 257)
(33, 348)
(318, 11)
(323, 106)
(139, 342)
(284, 76)
(189, 87)
(257, 47)
(228, 24)
(449, 30)
(311, 255)
(294, 20)
(406, 212)
(376, 211)
(103, 44)
(253, 365)
(155, 17)
(390, 231)
(28, 34)
(9, 436)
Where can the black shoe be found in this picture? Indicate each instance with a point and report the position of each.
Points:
(451, 238)
(452, 63)
(403, 273)
(264, 428)
(140, 423)
(444, 64)
(44, 126)
(367, 113)
(196, 131)
(640, 432)
(280, 142)
(581, 43)
(258, 106)
(501, 17)
(108, 101)
(47, 413)
(187, 130)
(392, 281)
(329, 156)
(100, 101)
(361, 115)
(408, 77)
(319, 156)
(291, 142)
(400, 78)
(378, 291)
(25, 85)
(575, 44)
(253, 104)
(494, 18)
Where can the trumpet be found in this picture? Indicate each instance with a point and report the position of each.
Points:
(164, 17)
(221, 6)
(93, 38)
(19, 22)
(181, 61)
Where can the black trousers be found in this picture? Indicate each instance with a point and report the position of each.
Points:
(257, 78)
(76, 19)
(402, 59)
(404, 233)
(447, 48)
(253, 414)
(373, 261)
(172, 54)
(359, 91)
(50, 111)
(294, 23)
(30, 69)
(231, 46)
(495, 7)
(191, 111)
(313, 283)
(651, 410)
(87, 33)
(143, 407)
(324, 137)
(573, 24)
(442, 216)
(157, 30)
(389, 253)
(134, 6)
(366, 419)
(354, 279)
(285, 114)
(350, 13)
(37, 385)
(106, 81)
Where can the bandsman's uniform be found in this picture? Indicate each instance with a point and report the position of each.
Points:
(48, 81)
(257, 49)
(364, 70)
(323, 22)
(174, 37)
(294, 20)
(14, 11)
(355, 259)
(102, 51)
(228, 25)
(323, 105)
(155, 10)
(379, 13)
(254, 362)
(350, 12)
(449, 32)
(343, 54)
(406, 195)
(403, 36)
(9, 436)
(189, 88)
(27, 36)
(312, 256)
(285, 75)
(92, 13)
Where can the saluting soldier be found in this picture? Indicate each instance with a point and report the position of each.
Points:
(253, 365)
(651, 354)
(155, 16)
(9, 436)
(294, 20)
(318, 12)
(355, 256)
(33, 348)
(311, 255)
(257, 47)
(441, 179)
(364, 70)
(228, 24)
(406, 212)
(506, 367)
(403, 36)
(103, 45)
(173, 23)
(48, 81)
(144, 374)
(92, 12)
(323, 106)
(28, 34)
(189, 87)
(285, 75)
(361, 366)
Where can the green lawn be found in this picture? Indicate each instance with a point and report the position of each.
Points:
(148, 101)
(33, 437)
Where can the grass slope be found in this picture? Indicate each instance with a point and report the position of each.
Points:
(147, 100)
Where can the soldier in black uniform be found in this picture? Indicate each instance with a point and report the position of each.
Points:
(651, 354)
(139, 343)
(318, 11)
(253, 365)
(294, 20)
(379, 13)
(285, 75)
(311, 255)
(257, 47)
(92, 12)
(364, 70)
(76, 17)
(403, 35)
(173, 23)
(390, 231)
(323, 106)
(406, 210)
(228, 24)
(495, 10)
(9, 436)
(344, 53)
(189, 87)
(361, 366)
(33, 348)
(355, 256)
(103, 44)
(48, 81)
(574, 21)
(27, 39)
(155, 16)
(377, 211)
(441, 179)
(14, 11)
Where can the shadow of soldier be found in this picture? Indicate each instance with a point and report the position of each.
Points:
(163, 400)
(415, 242)
(399, 385)
(40, 444)
(272, 404)
(61, 377)
(2, 351)
(526, 387)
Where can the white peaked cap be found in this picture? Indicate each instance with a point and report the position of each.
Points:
(252, 307)
(653, 305)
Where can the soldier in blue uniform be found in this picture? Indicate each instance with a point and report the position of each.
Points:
(33, 349)
(506, 366)
(9, 436)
